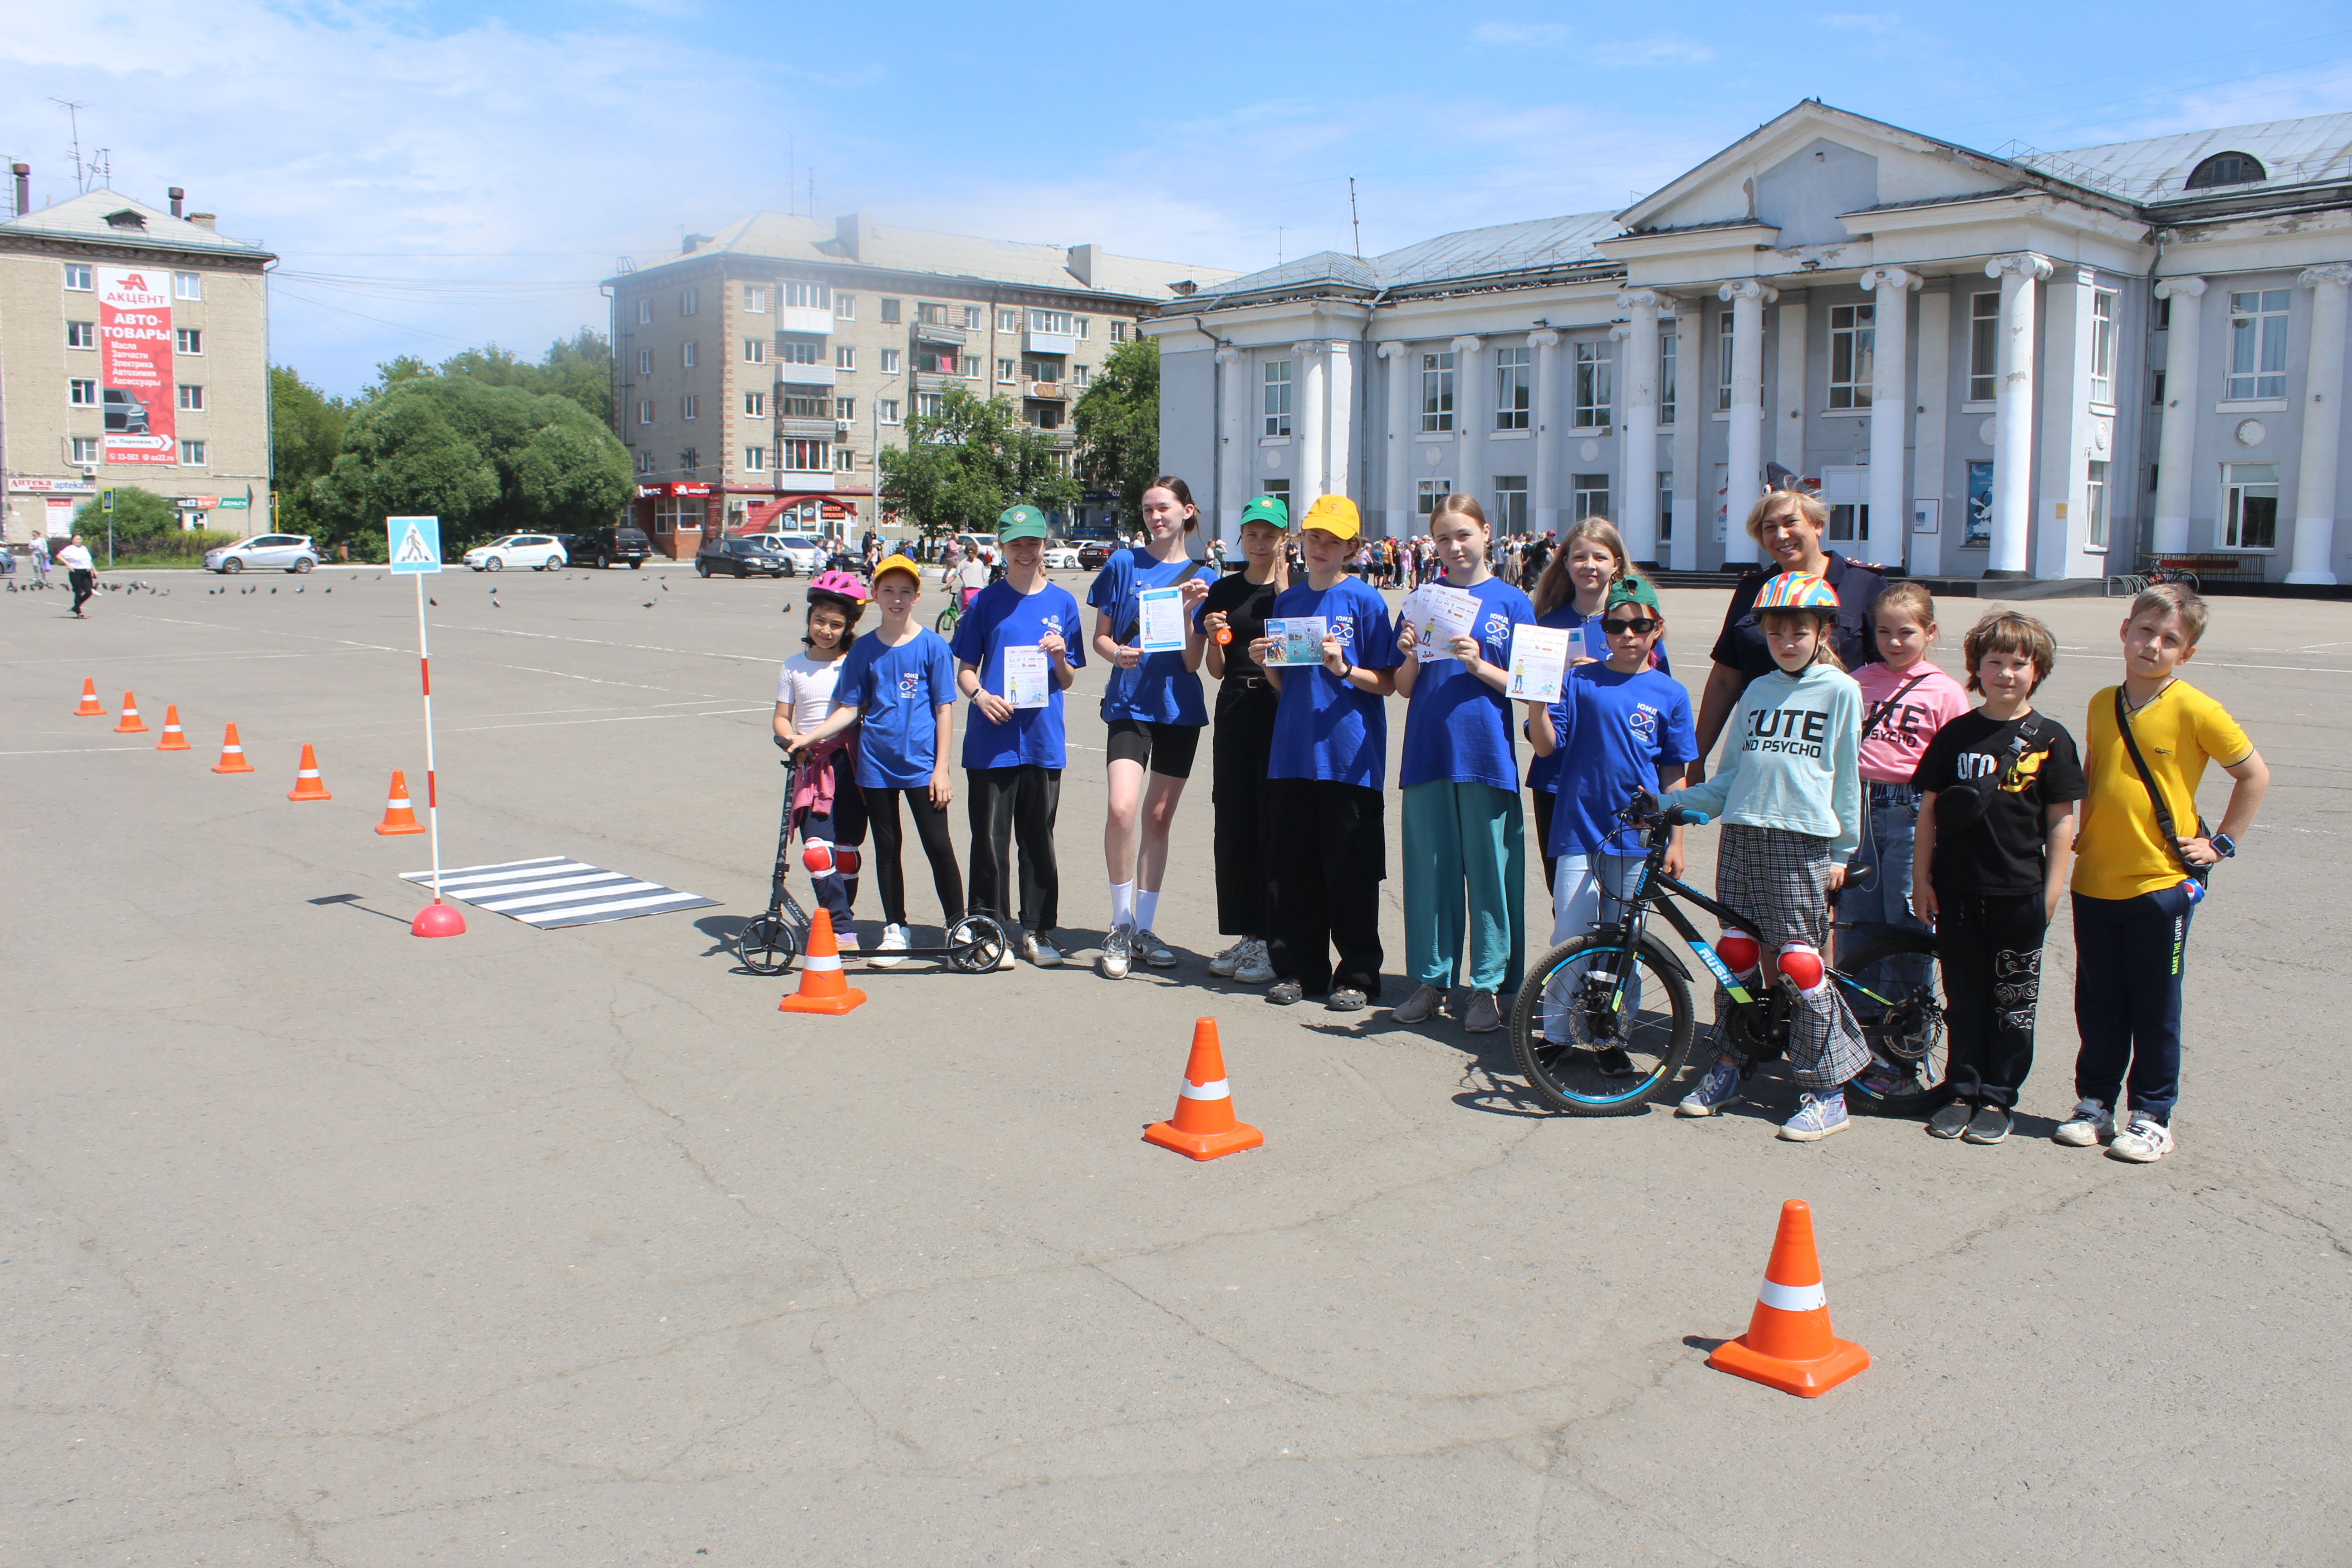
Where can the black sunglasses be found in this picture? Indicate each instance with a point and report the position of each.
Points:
(1640, 628)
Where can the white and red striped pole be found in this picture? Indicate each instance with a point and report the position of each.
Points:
(435, 919)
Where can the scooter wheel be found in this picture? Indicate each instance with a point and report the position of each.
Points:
(767, 946)
(976, 944)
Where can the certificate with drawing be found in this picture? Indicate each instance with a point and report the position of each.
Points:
(1160, 616)
(1538, 662)
(1438, 614)
(1028, 676)
(1298, 640)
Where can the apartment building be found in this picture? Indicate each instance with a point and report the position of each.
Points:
(758, 372)
(134, 352)
(2044, 364)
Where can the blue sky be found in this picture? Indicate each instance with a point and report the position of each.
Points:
(437, 175)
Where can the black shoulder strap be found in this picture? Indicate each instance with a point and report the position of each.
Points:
(1870, 720)
(2156, 796)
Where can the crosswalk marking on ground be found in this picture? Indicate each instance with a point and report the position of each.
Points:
(557, 891)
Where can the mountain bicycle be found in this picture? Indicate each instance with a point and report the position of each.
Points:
(1605, 1022)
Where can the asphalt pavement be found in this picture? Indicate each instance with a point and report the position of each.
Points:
(322, 1244)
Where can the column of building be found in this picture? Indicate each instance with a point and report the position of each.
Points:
(1309, 359)
(1890, 405)
(1469, 422)
(1396, 485)
(1546, 342)
(1925, 553)
(1747, 299)
(1340, 411)
(2020, 276)
(1692, 407)
(2175, 452)
(1637, 511)
(2323, 427)
(1235, 450)
(1788, 414)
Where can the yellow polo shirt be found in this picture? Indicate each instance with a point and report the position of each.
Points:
(2118, 852)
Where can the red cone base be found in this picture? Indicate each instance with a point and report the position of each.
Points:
(437, 919)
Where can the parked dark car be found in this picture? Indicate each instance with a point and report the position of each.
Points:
(741, 557)
(608, 547)
(1093, 553)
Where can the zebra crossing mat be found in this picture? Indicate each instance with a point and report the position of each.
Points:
(557, 891)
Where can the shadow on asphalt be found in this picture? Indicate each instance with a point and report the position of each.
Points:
(352, 900)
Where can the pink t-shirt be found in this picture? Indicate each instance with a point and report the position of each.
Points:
(1892, 747)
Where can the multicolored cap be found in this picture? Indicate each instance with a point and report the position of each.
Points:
(1797, 591)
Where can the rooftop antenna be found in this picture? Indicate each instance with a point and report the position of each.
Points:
(1277, 247)
(1354, 222)
(73, 118)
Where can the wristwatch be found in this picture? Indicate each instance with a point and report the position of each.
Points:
(2223, 844)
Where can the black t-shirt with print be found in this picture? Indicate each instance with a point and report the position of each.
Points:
(2003, 850)
(1246, 605)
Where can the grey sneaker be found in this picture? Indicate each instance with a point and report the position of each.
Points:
(1286, 993)
(1418, 1007)
(1818, 1116)
(1225, 962)
(1040, 952)
(1256, 968)
(1988, 1125)
(1482, 1017)
(1345, 999)
(1118, 952)
(2144, 1142)
(2090, 1123)
(1154, 952)
(1718, 1089)
(1950, 1120)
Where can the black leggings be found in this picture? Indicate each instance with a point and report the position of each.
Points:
(1991, 947)
(931, 828)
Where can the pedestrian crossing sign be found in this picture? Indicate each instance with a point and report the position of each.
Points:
(414, 543)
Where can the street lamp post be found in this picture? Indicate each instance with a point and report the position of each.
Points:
(873, 443)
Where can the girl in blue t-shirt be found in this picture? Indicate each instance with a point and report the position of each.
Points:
(897, 686)
(1152, 704)
(1465, 858)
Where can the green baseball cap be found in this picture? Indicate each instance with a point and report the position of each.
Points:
(1023, 521)
(1271, 510)
(1634, 591)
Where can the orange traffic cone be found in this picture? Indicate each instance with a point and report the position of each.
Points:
(399, 816)
(90, 708)
(174, 738)
(823, 990)
(308, 785)
(232, 756)
(131, 723)
(1204, 1125)
(1788, 1344)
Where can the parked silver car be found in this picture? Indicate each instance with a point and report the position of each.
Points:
(284, 552)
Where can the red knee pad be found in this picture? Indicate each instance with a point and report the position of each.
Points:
(1802, 962)
(847, 860)
(1738, 951)
(817, 856)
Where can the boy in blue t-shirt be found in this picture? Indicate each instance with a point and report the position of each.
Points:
(1619, 727)
(1328, 764)
(1013, 755)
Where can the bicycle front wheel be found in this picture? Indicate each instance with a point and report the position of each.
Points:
(1588, 1046)
(1902, 1017)
(946, 624)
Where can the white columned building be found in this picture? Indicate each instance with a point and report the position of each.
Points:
(1745, 456)
(2012, 461)
(1309, 486)
(1396, 468)
(1925, 549)
(1637, 512)
(1236, 451)
(1890, 404)
(2323, 428)
(2178, 437)
(1470, 421)
(1546, 505)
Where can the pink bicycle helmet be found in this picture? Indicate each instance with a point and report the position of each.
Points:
(839, 585)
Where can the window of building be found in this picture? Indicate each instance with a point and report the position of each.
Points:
(806, 456)
(1514, 389)
(1050, 321)
(2156, 387)
(1008, 320)
(890, 361)
(1083, 326)
(1430, 492)
(2226, 169)
(1041, 369)
(188, 286)
(645, 311)
(1437, 392)
(1007, 372)
(806, 296)
(1279, 490)
(2258, 343)
(1590, 493)
(1849, 520)
(845, 358)
(2250, 506)
(1078, 375)
(1853, 352)
(794, 352)
(1725, 327)
(689, 406)
(644, 362)
(755, 300)
(77, 275)
(755, 405)
(687, 352)
(930, 315)
(191, 454)
(1277, 396)
(845, 307)
(1666, 507)
(796, 404)
(84, 336)
(889, 311)
(844, 408)
(81, 394)
(845, 460)
(644, 462)
(191, 340)
(1593, 363)
(85, 449)
(2094, 522)
(886, 410)
(972, 318)
(970, 366)
(755, 350)
(1669, 348)
(2103, 346)
(1984, 347)
(930, 404)
(646, 411)
(1119, 331)
(1510, 502)
(755, 459)
(192, 398)
(2160, 316)
(689, 300)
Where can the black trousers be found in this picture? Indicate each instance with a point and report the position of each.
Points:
(85, 585)
(1543, 799)
(931, 828)
(1009, 805)
(1242, 743)
(1331, 857)
(1991, 948)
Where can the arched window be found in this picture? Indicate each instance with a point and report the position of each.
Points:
(2226, 169)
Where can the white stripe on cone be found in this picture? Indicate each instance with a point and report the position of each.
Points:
(238, 750)
(813, 961)
(1217, 1090)
(299, 773)
(1792, 1298)
(397, 803)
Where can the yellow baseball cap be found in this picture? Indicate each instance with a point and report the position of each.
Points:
(1334, 515)
(896, 562)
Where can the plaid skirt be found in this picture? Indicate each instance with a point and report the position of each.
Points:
(1781, 880)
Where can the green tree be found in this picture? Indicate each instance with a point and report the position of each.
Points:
(305, 431)
(1118, 422)
(137, 514)
(965, 464)
(579, 367)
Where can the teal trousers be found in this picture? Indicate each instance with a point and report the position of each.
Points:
(1465, 873)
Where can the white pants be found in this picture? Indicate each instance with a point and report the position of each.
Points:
(1588, 890)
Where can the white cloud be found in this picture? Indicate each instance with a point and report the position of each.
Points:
(1658, 51)
(1521, 35)
(1871, 22)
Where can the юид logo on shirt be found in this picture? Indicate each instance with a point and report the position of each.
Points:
(910, 685)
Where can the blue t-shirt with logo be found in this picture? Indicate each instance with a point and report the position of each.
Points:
(1615, 732)
(1002, 616)
(1456, 727)
(1325, 728)
(1543, 772)
(898, 692)
(1159, 689)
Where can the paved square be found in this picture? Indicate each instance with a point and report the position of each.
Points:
(325, 1245)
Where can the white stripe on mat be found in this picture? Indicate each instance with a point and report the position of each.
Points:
(493, 878)
(503, 905)
(559, 916)
(476, 893)
(449, 871)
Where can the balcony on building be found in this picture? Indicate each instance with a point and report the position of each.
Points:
(928, 381)
(799, 430)
(1049, 390)
(810, 320)
(939, 332)
(1037, 342)
(791, 376)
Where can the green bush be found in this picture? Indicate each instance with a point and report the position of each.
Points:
(178, 544)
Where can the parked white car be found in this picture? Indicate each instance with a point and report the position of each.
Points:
(1061, 555)
(537, 550)
(806, 555)
(281, 551)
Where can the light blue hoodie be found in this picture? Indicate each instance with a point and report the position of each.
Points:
(1793, 761)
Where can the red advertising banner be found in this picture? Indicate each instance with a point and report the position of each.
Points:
(134, 337)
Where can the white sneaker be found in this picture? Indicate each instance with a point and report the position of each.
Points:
(1040, 952)
(894, 940)
(1225, 962)
(1256, 968)
(1118, 952)
(2144, 1142)
(2090, 1123)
